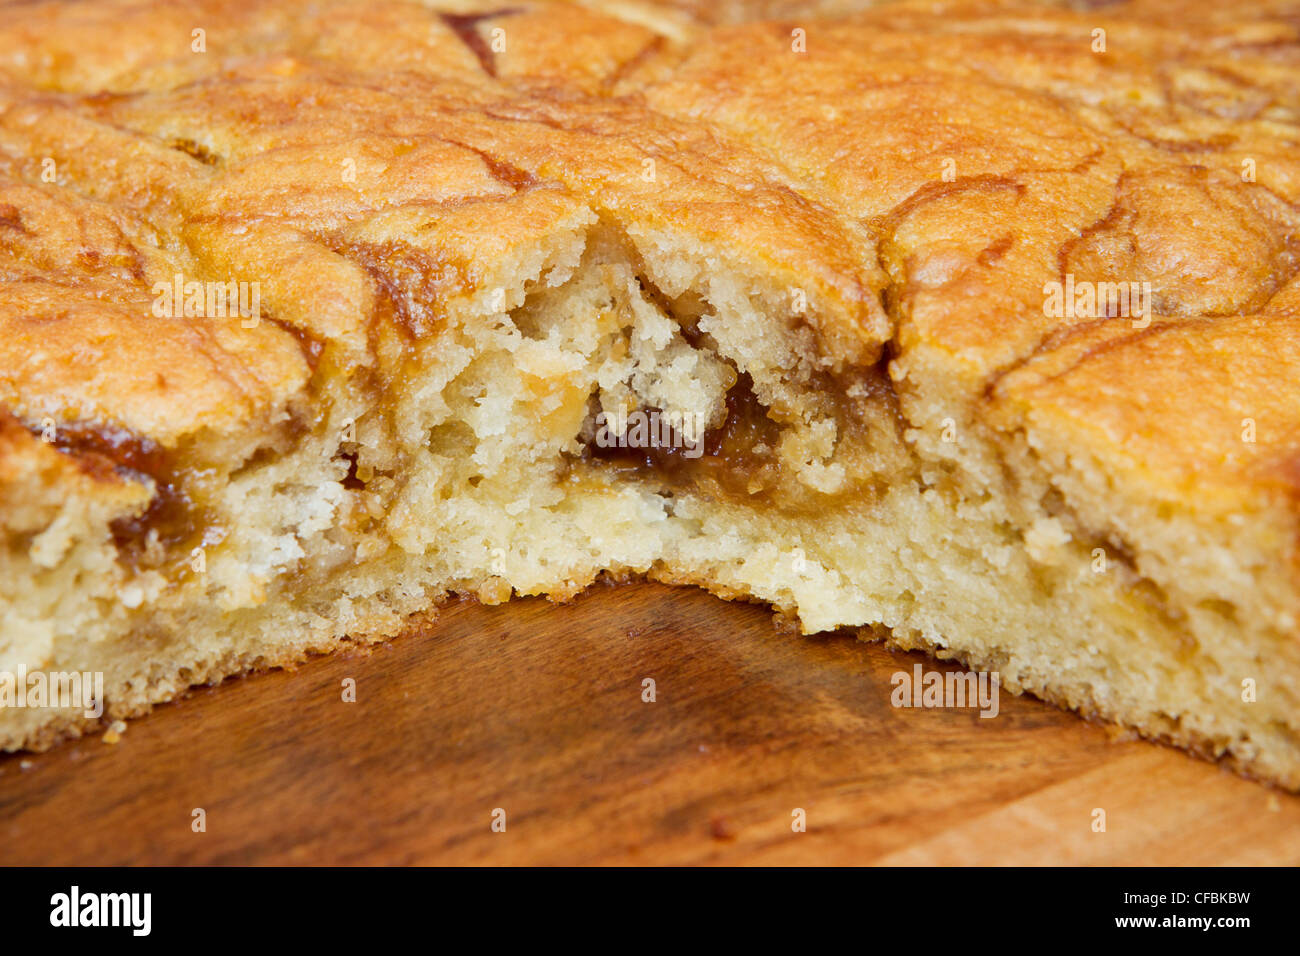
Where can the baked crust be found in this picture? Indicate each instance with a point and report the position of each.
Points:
(893, 188)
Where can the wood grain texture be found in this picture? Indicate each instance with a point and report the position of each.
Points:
(536, 709)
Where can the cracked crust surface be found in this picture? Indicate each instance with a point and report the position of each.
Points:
(1117, 166)
(918, 173)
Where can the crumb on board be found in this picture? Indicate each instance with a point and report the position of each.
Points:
(721, 828)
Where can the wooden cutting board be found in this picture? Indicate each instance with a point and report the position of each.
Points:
(537, 710)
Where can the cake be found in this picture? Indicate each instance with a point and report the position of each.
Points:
(971, 325)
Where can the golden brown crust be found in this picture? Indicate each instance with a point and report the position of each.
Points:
(1152, 402)
(1117, 166)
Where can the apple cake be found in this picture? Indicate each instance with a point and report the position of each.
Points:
(973, 325)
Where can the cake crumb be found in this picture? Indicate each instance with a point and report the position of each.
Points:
(114, 732)
(494, 591)
(720, 828)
